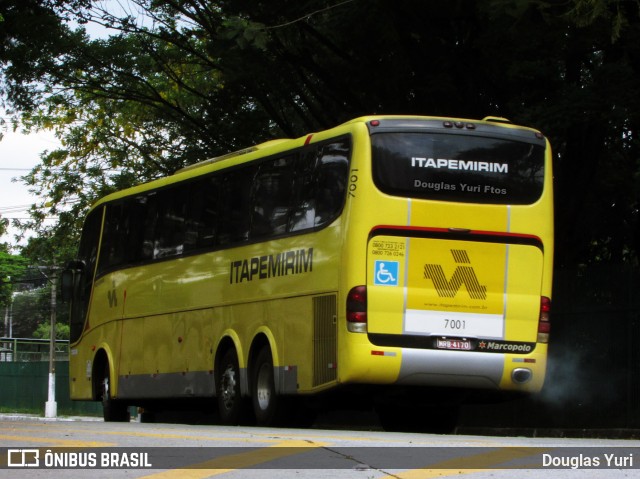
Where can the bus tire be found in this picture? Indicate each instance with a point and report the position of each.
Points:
(230, 402)
(112, 409)
(266, 402)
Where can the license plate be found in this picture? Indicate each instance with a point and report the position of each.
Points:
(453, 344)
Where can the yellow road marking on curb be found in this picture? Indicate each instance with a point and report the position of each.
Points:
(53, 442)
(57, 442)
(193, 438)
(477, 462)
(258, 438)
(232, 462)
(234, 437)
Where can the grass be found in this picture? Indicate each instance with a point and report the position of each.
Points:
(21, 410)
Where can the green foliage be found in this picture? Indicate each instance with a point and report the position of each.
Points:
(12, 267)
(4, 223)
(44, 331)
(615, 13)
(30, 308)
(31, 313)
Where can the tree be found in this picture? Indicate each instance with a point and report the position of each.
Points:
(12, 267)
(44, 331)
(180, 81)
(30, 309)
(33, 36)
(4, 223)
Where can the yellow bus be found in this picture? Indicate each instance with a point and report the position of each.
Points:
(389, 251)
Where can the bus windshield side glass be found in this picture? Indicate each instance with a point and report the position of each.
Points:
(455, 167)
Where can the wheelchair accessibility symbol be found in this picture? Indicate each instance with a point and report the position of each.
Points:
(386, 273)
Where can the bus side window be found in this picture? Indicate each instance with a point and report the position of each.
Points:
(331, 181)
(108, 249)
(208, 228)
(320, 185)
(135, 213)
(303, 212)
(149, 225)
(123, 233)
(90, 239)
(170, 228)
(271, 198)
(201, 216)
(87, 254)
(235, 206)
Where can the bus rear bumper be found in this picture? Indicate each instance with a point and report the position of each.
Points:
(428, 367)
(369, 364)
(476, 370)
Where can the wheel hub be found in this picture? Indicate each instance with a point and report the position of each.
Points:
(263, 389)
(228, 387)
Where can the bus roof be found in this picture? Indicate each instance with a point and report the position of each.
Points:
(278, 145)
(233, 154)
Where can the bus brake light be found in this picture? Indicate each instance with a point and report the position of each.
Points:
(544, 325)
(357, 309)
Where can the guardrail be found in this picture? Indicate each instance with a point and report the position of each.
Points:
(29, 350)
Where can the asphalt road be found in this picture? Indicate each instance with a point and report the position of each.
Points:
(85, 448)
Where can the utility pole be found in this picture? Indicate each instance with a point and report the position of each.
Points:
(7, 315)
(51, 406)
(13, 298)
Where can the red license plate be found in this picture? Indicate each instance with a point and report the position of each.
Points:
(453, 344)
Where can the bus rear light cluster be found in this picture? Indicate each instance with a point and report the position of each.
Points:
(357, 309)
(544, 325)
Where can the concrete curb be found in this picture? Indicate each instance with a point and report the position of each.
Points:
(35, 417)
(609, 433)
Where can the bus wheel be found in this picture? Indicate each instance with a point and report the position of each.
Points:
(230, 402)
(112, 409)
(266, 403)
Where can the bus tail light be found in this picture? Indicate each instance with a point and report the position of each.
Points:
(544, 325)
(357, 309)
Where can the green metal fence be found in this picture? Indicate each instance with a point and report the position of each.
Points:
(24, 378)
(22, 349)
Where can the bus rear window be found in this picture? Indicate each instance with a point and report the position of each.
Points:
(456, 167)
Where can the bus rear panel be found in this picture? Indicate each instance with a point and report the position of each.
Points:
(458, 257)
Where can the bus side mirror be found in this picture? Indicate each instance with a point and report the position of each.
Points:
(70, 278)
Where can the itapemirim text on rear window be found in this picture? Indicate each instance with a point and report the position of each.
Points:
(461, 168)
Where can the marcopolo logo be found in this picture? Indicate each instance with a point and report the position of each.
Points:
(464, 274)
(504, 346)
